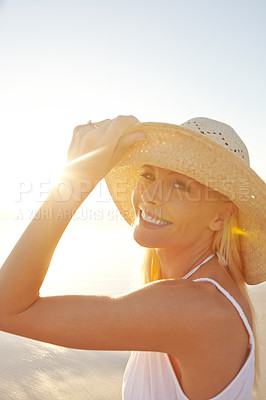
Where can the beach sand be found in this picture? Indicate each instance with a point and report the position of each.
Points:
(32, 370)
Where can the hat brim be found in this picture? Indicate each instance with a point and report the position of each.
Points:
(185, 151)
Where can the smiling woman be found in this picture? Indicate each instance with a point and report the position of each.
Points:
(190, 326)
(176, 200)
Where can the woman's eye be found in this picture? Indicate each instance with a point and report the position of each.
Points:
(178, 185)
(146, 175)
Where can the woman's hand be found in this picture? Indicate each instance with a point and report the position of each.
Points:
(97, 147)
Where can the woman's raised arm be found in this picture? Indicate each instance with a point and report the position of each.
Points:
(93, 152)
(162, 316)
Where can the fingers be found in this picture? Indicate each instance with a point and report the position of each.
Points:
(100, 123)
(129, 138)
(121, 121)
(125, 142)
(97, 124)
(92, 125)
(124, 121)
(115, 128)
(120, 125)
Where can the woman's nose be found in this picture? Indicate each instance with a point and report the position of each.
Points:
(153, 194)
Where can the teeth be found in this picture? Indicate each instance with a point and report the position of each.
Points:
(153, 220)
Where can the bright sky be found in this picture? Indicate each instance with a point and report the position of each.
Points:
(64, 62)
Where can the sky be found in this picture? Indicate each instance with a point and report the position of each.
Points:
(66, 62)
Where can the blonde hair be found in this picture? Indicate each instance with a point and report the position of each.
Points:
(226, 245)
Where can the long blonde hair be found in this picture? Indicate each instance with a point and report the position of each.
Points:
(226, 245)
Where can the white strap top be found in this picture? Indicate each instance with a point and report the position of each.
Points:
(150, 375)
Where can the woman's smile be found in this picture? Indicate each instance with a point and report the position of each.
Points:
(149, 221)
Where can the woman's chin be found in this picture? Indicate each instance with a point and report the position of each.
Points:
(144, 239)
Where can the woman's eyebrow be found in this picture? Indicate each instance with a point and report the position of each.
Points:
(148, 166)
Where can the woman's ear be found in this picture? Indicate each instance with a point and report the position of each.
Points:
(222, 217)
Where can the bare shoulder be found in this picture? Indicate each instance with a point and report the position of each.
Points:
(197, 297)
(203, 320)
(220, 306)
(220, 299)
(221, 336)
(183, 312)
(200, 300)
(178, 296)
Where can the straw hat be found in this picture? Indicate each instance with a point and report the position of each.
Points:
(213, 154)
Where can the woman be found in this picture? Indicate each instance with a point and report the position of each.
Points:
(188, 192)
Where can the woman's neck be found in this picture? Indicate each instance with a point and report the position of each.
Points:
(177, 263)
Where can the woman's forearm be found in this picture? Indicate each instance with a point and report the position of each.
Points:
(24, 270)
(95, 149)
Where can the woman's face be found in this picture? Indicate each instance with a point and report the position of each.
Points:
(184, 209)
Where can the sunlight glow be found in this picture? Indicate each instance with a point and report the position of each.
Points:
(239, 231)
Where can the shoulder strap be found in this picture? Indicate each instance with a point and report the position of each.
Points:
(235, 304)
(198, 266)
